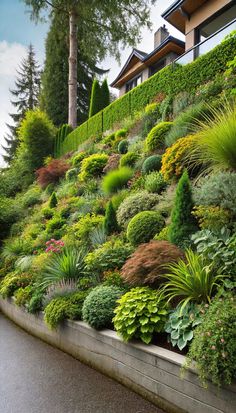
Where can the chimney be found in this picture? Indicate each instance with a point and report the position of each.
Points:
(160, 35)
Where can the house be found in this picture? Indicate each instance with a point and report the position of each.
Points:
(205, 23)
(140, 65)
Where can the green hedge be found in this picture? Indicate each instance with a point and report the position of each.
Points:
(171, 80)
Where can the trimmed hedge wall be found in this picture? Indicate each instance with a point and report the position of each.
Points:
(171, 80)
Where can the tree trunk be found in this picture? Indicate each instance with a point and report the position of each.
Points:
(72, 82)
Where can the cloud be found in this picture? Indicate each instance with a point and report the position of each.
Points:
(11, 55)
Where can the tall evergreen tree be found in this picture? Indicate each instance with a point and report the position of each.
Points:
(95, 101)
(105, 94)
(25, 97)
(54, 91)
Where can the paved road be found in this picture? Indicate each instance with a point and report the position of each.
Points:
(36, 378)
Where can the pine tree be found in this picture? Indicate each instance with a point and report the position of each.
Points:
(105, 94)
(53, 200)
(110, 221)
(95, 101)
(183, 223)
(25, 96)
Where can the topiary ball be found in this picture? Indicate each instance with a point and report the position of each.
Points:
(123, 146)
(151, 164)
(99, 305)
(144, 226)
(156, 137)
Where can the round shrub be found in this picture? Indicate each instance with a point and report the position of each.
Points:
(156, 137)
(78, 158)
(144, 226)
(174, 159)
(123, 146)
(121, 133)
(116, 180)
(146, 264)
(99, 305)
(93, 166)
(129, 159)
(72, 174)
(152, 163)
(140, 314)
(133, 204)
(154, 183)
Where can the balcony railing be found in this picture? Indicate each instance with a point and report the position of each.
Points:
(206, 45)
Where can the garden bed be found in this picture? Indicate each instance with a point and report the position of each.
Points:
(149, 370)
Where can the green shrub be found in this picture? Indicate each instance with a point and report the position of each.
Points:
(54, 224)
(140, 314)
(163, 235)
(114, 279)
(183, 223)
(156, 137)
(82, 229)
(72, 174)
(99, 305)
(9, 213)
(12, 282)
(144, 226)
(129, 159)
(35, 303)
(150, 118)
(92, 166)
(110, 222)
(62, 133)
(213, 348)
(47, 213)
(152, 163)
(109, 139)
(109, 256)
(123, 146)
(53, 201)
(116, 180)
(31, 197)
(62, 308)
(23, 295)
(182, 323)
(121, 133)
(154, 183)
(133, 204)
(95, 100)
(191, 280)
(14, 248)
(212, 217)
(78, 158)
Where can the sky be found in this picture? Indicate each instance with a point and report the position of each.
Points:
(17, 31)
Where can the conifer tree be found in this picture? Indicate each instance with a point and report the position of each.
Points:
(183, 223)
(95, 101)
(25, 97)
(105, 94)
(110, 221)
(53, 200)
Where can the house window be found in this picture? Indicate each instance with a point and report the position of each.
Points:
(133, 82)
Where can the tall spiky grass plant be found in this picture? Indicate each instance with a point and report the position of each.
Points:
(215, 147)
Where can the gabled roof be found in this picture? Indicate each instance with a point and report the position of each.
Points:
(178, 11)
(137, 55)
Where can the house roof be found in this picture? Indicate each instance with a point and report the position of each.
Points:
(178, 11)
(146, 58)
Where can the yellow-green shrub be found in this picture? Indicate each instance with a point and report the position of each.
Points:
(93, 166)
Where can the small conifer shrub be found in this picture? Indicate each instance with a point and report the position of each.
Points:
(110, 221)
(53, 200)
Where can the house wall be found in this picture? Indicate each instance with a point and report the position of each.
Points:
(207, 10)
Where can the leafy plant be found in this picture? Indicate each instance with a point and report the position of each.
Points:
(213, 348)
(133, 204)
(12, 282)
(140, 314)
(212, 217)
(156, 137)
(154, 182)
(152, 163)
(181, 324)
(116, 180)
(78, 158)
(52, 173)
(143, 226)
(146, 265)
(23, 295)
(13, 248)
(93, 166)
(191, 280)
(99, 305)
(85, 226)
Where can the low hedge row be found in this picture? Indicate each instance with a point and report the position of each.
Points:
(171, 80)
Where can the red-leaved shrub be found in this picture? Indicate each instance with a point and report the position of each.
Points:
(52, 173)
(145, 266)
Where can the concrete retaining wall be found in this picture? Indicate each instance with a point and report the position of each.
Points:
(151, 371)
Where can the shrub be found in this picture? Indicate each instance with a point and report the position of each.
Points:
(82, 229)
(14, 248)
(211, 217)
(95, 100)
(182, 323)
(216, 190)
(129, 159)
(52, 173)
(23, 295)
(12, 282)
(163, 234)
(54, 224)
(154, 183)
(93, 166)
(174, 159)
(123, 146)
(112, 163)
(114, 279)
(140, 314)
(213, 348)
(119, 197)
(109, 256)
(78, 158)
(146, 264)
(110, 222)
(109, 139)
(31, 197)
(62, 308)
(132, 205)
(144, 226)
(53, 200)
(152, 163)
(183, 223)
(99, 305)
(9, 214)
(121, 133)
(116, 180)
(156, 137)
(215, 147)
(150, 118)
(35, 303)
(71, 174)
(192, 280)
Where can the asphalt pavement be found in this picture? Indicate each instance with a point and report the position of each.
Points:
(37, 378)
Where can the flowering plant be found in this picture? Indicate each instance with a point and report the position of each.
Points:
(54, 245)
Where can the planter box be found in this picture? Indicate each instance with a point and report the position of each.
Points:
(151, 371)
